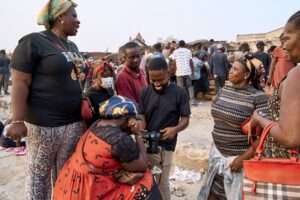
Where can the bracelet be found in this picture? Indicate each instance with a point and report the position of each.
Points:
(260, 113)
(17, 122)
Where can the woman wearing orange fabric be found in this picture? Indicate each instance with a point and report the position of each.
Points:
(108, 163)
(280, 66)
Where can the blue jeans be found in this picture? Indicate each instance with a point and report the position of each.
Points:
(186, 83)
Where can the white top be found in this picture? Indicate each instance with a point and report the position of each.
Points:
(182, 57)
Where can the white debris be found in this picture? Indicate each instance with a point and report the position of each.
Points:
(4, 107)
(185, 175)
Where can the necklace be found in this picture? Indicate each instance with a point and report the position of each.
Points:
(58, 42)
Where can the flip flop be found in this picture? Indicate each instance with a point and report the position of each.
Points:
(19, 149)
(21, 153)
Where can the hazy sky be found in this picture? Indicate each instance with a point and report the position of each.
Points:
(108, 24)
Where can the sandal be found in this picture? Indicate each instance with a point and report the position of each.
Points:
(21, 153)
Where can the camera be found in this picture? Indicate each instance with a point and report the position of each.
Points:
(152, 139)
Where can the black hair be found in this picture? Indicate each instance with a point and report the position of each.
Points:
(157, 62)
(157, 47)
(254, 77)
(181, 43)
(271, 49)
(295, 19)
(244, 47)
(260, 44)
(128, 45)
(3, 52)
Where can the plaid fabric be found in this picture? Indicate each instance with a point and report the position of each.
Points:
(269, 191)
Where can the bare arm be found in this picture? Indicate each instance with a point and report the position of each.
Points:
(20, 89)
(139, 165)
(286, 132)
(271, 70)
(183, 124)
(171, 132)
(237, 163)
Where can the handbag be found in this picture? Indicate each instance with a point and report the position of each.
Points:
(246, 129)
(87, 110)
(271, 178)
(245, 126)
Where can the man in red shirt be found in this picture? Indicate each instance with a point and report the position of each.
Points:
(131, 79)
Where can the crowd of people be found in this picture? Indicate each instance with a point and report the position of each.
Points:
(109, 131)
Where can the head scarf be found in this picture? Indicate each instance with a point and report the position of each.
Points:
(117, 107)
(52, 10)
(252, 62)
(100, 70)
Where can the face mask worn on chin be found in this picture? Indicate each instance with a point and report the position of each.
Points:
(108, 84)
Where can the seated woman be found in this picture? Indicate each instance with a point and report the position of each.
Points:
(233, 105)
(108, 163)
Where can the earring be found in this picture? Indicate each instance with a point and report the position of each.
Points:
(62, 21)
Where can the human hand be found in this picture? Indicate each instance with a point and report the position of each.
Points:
(136, 126)
(168, 133)
(16, 131)
(81, 76)
(269, 90)
(254, 126)
(237, 164)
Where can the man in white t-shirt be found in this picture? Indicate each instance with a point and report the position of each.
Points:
(184, 68)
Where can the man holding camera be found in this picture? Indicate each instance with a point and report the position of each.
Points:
(166, 111)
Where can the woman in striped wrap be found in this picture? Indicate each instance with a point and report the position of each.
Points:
(233, 105)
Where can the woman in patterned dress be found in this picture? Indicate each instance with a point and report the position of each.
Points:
(108, 164)
(286, 113)
(233, 105)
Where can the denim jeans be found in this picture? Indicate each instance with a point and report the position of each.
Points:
(186, 83)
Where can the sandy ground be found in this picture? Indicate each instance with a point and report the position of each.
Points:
(191, 155)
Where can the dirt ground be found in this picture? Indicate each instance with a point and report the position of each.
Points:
(190, 160)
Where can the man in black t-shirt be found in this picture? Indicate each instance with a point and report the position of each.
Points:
(166, 109)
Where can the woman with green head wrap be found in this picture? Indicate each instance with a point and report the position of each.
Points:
(46, 96)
